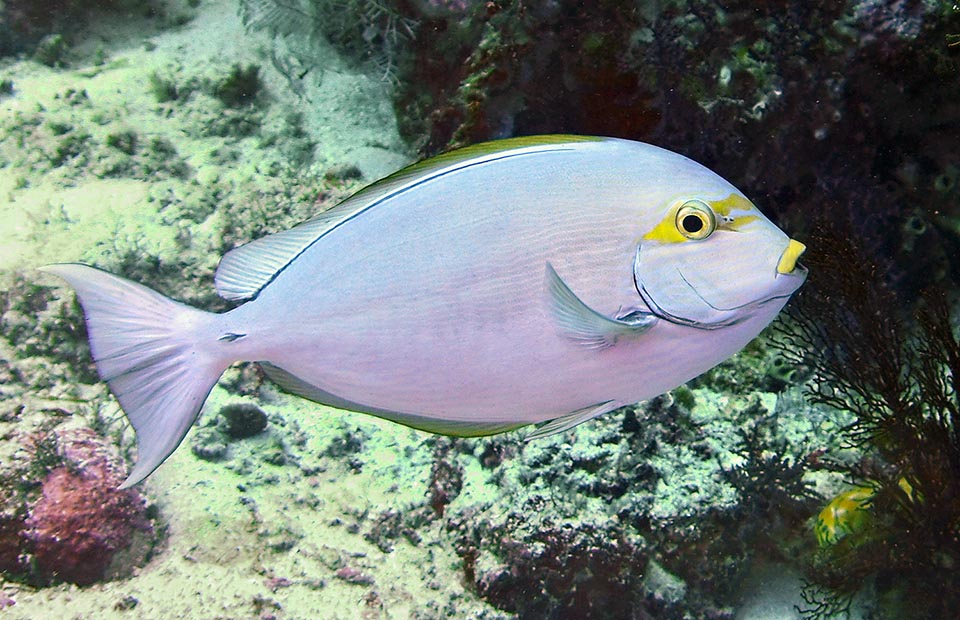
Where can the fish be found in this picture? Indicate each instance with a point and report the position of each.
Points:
(541, 280)
(847, 513)
(852, 512)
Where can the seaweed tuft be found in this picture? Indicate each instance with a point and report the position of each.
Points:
(240, 87)
(770, 480)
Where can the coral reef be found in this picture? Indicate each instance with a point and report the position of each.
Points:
(625, 507)
(597, 527)
(159, 191)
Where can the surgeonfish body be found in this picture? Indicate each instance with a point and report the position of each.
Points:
(532, 280)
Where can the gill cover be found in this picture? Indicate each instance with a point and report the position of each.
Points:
(709, 262)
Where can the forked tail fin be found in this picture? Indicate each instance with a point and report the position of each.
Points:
(154, 353)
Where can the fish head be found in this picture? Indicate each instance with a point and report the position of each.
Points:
(715, 260)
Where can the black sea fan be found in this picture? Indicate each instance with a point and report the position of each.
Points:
(896, 366)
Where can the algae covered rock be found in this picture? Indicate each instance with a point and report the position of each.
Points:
(243, 420)
(657, 510)
(72, 524)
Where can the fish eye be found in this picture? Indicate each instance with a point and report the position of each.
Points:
(695, 220)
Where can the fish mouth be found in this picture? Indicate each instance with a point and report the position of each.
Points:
(788, 260)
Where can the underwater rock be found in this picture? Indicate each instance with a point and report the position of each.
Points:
(662, 585)
(581, 571)
(348, 443)
(354, 576)
(243, 420)
(51, 51)
(443, 9)
(10, 527)
(391, 525)
(82, 529)
(446, 477)
(208, 444)
(234, 421)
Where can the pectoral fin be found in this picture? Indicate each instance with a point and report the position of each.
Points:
(587, 326)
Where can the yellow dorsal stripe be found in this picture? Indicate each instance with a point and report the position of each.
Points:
(487, 148)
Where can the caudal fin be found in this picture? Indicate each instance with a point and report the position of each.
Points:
(153, 352)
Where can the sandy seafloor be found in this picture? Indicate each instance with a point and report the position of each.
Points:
(246, 538)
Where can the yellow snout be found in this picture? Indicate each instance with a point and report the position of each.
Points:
(788, 261)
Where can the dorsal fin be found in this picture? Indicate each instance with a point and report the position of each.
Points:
(244, 271)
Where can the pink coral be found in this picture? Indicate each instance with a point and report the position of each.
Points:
(10, 526)
(81, 521)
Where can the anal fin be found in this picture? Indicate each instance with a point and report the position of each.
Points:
(568, 421)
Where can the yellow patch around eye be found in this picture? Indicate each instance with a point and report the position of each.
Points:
(666, 231)
(733, 213)
(669, 228)
(730, 205)
(733, 202)
(739, 222)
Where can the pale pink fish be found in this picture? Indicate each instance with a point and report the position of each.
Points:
(532, 280)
